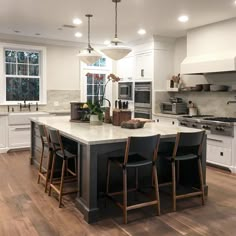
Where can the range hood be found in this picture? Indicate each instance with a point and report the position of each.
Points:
(209, 63)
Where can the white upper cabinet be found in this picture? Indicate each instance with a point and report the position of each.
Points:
(144, 66)
(126, 68)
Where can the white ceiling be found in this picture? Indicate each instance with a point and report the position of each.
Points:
(158, 17)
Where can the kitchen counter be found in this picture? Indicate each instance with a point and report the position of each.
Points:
(169, 115)
(106, 133)
(3, 113)
(92, 143)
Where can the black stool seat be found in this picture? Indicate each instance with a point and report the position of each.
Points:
(134, 160)
(66, 155)
(183, 157)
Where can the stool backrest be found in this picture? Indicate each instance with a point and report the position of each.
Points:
(189, 142)
(55, 139)
(43, 134)
(146, 146)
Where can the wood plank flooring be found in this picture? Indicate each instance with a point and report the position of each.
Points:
(26, 210)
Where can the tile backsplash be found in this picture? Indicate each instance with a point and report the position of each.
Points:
(208, 103)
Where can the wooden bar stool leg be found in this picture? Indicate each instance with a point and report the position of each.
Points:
(48, 170)
(154, 171)
(201, 180)
(173, 186)
(51, 176)
(108, 176)
(177, 172)
(64, 164)
(125, 195)
(41, 163)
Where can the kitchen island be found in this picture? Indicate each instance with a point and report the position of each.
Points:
(92, 143)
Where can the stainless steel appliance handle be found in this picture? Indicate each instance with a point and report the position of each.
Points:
(216, 140)
(142, 111)
(143, 89)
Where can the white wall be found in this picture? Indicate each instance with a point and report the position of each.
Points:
(212, 38)
(180, 52)
(63, 68)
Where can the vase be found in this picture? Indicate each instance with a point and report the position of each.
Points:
(94, 120)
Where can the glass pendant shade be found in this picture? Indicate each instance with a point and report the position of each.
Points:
(89, 55)
(116, 51)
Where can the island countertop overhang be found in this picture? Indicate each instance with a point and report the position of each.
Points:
(106, 133)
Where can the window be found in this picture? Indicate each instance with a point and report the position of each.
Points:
(95, 87)
(23, 74)
(93, 79)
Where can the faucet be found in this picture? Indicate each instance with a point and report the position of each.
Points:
(230, 102)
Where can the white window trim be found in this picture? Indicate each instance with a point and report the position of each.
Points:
(43, 72)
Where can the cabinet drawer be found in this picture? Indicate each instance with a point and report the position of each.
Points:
(19, 136)
(219, 141)
(219, 155)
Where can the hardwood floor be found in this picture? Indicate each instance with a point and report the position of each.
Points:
(26, 210)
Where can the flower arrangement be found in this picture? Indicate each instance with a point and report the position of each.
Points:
(96, 106)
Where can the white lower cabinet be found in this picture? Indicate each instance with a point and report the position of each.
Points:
(219, 150)
(3, 131)
(166, 120)
(19, 136)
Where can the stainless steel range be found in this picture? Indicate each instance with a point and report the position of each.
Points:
(221, 143)
(215, 125)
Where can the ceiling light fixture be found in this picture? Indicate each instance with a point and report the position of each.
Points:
(89, 55)
(183, 18)
(77, 21)
(116, 51)
(141, 31)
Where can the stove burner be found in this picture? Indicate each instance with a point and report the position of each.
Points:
(222, 119)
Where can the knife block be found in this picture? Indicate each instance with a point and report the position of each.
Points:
(120, 115)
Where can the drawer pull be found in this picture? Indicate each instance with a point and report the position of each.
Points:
(216, 140)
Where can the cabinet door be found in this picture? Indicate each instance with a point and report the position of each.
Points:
(144, 66)
(125, 68)
(219, 155)
(19, 136)
(3, 131)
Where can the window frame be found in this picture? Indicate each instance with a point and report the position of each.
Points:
(42, 73)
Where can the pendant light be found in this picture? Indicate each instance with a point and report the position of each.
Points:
(116, 51)
(89, 55)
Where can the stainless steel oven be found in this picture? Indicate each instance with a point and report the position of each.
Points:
(140, 112)
(143, 94)
(125, 90)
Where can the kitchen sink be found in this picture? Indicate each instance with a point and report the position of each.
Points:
(20, 118)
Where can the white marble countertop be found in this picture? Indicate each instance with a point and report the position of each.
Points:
(106, 133)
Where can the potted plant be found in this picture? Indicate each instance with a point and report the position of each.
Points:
(96, 113)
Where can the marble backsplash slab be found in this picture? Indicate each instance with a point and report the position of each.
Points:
(208, 103)
(57, 100)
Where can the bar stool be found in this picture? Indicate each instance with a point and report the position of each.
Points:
(44, 174)
(139, 152)
(67, 175)
(188, 146)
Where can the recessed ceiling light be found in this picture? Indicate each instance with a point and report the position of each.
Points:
(183, 18)
(77, 21)
(17, 31)
(37, 34)
(106, 42)
(141, 31)
(78, 35)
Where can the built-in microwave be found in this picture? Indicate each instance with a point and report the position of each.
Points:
(125, 90)
(173, 108)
